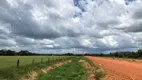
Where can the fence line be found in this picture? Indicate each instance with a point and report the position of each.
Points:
(52, 59)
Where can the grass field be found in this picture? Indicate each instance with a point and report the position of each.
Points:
(70, 71)
(9, 70)
(10, 61)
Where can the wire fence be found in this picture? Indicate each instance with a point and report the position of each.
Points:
(22, 61)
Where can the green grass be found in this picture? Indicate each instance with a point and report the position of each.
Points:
(99, 75)
(71, 71)
(10, 61)
(11, 72)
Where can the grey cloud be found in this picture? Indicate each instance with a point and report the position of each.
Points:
(70, 32)
(137, 27)
(22, 23)
(3, 36)
(4, 4)
(1, 31)
(67, 42)
(7, 43)
(48, 26)
(24, 41)
(107, 24)
(137, 14)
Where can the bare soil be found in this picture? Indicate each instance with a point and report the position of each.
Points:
(31, 76)
(119, 69)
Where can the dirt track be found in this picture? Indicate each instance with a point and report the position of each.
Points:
(119, 69)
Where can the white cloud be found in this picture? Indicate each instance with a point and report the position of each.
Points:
(50, 26)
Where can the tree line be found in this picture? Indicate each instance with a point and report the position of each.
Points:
(137, 54)
(28, 53)
(14, 53)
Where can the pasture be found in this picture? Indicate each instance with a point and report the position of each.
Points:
(11, 61)
(47, 68)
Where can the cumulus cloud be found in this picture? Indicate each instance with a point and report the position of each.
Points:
(136, 27)
(138, 14)
(58, 26)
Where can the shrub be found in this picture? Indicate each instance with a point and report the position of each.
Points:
(99, 75)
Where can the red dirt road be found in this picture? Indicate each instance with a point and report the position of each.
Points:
(119, 69)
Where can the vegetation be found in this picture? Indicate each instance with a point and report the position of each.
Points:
(99, 75)
(137, 54)
(99, 72)
(71, 71)
(11, 72)
(11, 61)
(91, 63)
(14, 53)
(28, 53)
(28, 62)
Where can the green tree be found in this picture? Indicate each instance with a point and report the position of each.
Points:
(139, 52)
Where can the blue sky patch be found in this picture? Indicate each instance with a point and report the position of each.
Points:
(80, 6)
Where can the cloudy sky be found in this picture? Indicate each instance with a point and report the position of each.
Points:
(79, 26)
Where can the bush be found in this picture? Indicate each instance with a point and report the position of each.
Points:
(99, 75)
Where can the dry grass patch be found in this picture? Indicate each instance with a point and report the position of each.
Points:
(94, 72)
(31, 76)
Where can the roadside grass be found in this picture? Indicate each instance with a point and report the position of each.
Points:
(126, 59)
(98, 73)
(138, 60)
(91, 63)
(13, 73)
(71, 71)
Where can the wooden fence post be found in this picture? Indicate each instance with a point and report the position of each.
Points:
(18, 62)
